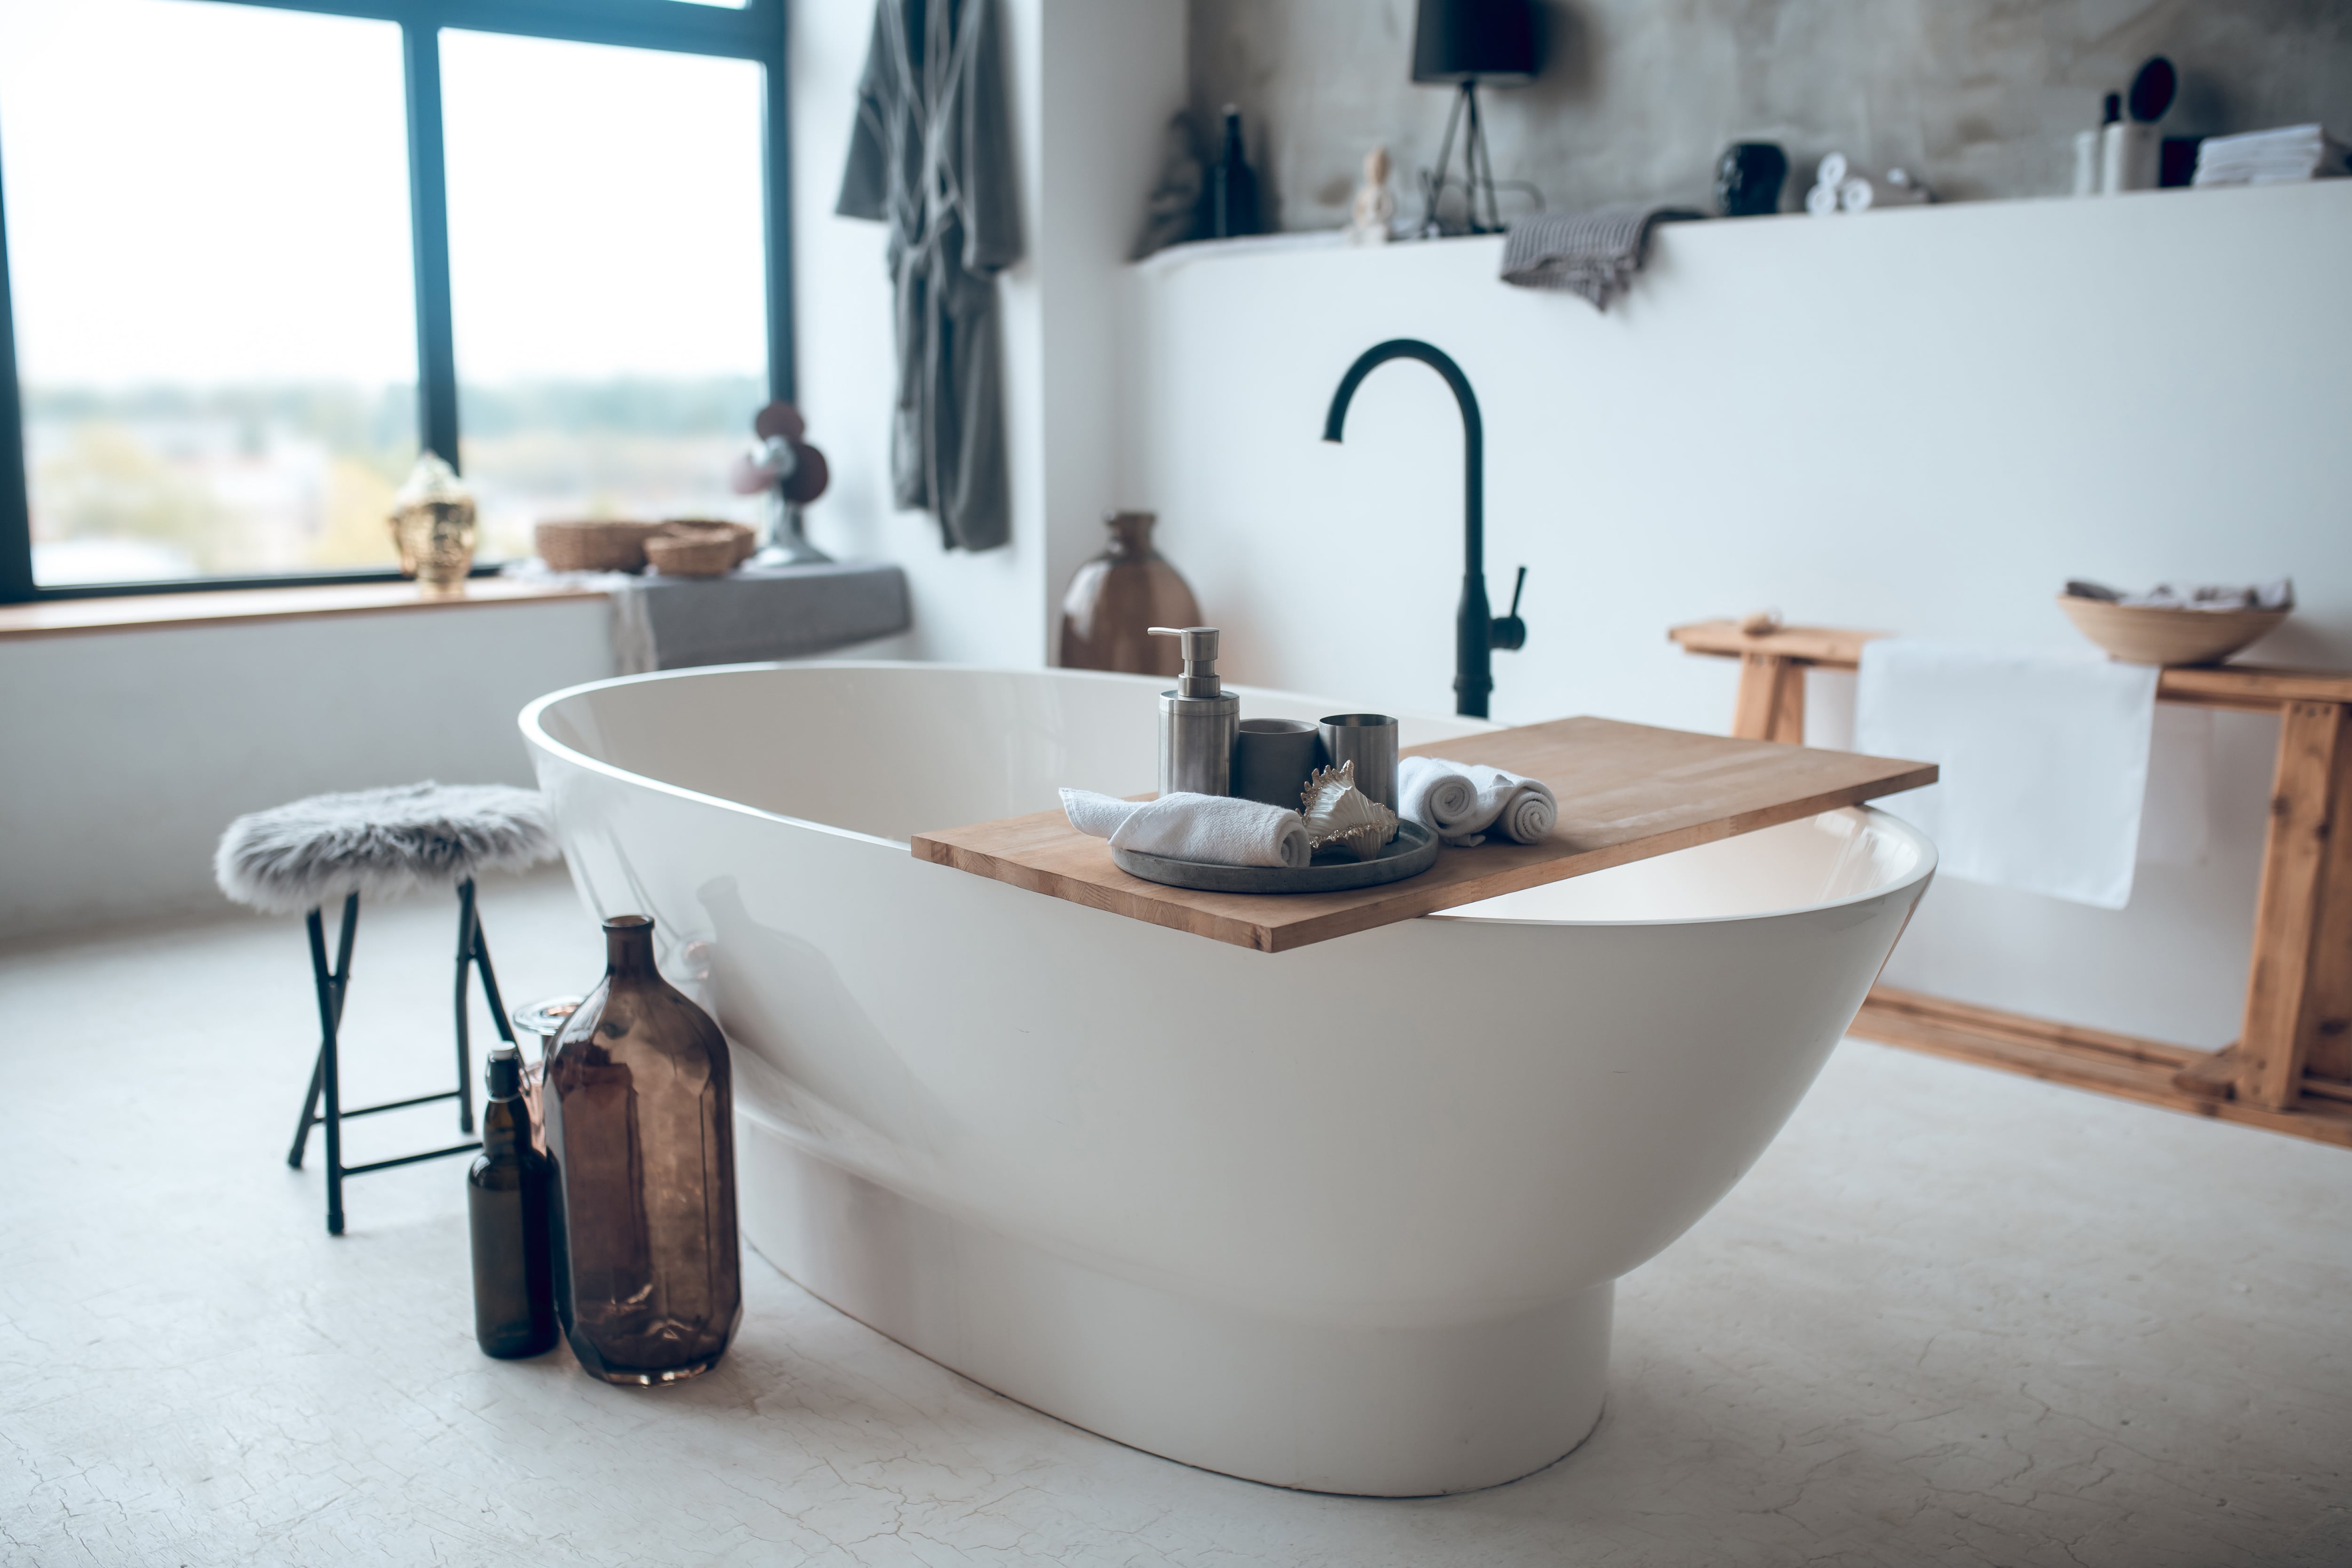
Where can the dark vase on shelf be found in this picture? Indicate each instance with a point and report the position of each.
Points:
(507, 1198)
(640, 1123)
(1747, 179)
(1116, 598)
(1233, 187)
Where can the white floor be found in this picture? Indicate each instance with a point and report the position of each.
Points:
(1953, 1317)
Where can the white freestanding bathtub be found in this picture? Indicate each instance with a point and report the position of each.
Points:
(1343, 1218)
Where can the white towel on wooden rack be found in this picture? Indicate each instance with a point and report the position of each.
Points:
(2044, 758)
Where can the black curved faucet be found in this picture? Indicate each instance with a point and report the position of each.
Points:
(1476, 636)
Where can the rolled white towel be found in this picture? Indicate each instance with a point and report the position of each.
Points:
(1437, 796)
(1510, 805)
(1098, 815)
(1215, 829)
(1525, 810)
(1821, 201)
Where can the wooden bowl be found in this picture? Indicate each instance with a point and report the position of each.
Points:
(685, 550)
(594, 545)
(2143, 634)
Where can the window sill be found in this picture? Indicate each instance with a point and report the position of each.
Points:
(143, 612)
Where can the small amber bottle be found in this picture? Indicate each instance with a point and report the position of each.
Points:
(507, 1195)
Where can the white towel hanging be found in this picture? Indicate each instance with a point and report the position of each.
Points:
(2044, 761)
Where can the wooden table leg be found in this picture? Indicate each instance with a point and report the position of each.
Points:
(2280, 1017)
(2326, 1028)
(1771, 701)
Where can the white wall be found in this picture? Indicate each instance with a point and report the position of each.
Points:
(1922, 421)
(128, 753)
(1092, 82)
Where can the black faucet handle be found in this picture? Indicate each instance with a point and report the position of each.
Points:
(1509, 632)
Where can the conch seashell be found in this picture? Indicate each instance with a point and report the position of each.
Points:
(1341, 816)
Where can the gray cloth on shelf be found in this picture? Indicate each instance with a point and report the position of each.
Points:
(379, 841)
(753, 614)
(931, 155)
(1594, 254)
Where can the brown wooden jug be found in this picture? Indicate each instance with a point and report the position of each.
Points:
(1116, 598)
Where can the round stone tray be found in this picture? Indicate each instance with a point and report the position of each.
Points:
(1412, 851)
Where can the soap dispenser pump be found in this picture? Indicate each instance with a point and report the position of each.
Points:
(1199, 721)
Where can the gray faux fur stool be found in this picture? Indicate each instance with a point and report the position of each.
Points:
(384, 843)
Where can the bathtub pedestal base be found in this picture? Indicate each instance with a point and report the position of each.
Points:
(1377, 1409)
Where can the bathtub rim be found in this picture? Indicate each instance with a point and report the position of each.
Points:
(1875, 820)
(535, 734)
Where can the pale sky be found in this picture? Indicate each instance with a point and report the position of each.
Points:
(208, 193)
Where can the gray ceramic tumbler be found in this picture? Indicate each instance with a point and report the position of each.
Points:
(1271, 758)
(1369, 741)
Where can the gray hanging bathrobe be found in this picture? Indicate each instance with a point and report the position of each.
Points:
(931, 156)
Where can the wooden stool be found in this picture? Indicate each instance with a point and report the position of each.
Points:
(2290, 1069)
(384, 842)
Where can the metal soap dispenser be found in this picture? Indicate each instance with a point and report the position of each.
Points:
(1198, 722)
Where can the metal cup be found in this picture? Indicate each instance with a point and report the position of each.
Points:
(1369, 741)
(1271, 758)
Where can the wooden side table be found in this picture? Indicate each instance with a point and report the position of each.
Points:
(2290, 1069)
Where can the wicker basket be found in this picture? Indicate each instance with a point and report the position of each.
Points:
(2148, 634)
(686, 549)
(747, 538)
(595, 545)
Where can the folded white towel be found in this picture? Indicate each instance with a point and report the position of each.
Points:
(1462, 803)
(1215, 829)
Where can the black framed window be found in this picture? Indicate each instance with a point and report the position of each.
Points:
(256, 255)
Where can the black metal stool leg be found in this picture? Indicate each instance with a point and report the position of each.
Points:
(468, 923)
(490, 979)
(309, 1108)
(333, 986)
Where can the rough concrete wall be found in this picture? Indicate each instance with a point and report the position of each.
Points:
(1638, 97)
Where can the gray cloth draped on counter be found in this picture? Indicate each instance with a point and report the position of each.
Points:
(753, 614)
(1592, 254)
(932, 156)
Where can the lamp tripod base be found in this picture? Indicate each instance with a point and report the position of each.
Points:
(1478, 174)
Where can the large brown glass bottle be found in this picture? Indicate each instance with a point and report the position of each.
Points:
(640, 1122)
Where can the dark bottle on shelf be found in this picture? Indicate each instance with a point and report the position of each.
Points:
(639, 1100)
(507, 1204)
(1233, 188)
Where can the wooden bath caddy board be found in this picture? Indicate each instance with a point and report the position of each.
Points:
(1626, 792)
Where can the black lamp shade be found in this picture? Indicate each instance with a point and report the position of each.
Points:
(1474, 40)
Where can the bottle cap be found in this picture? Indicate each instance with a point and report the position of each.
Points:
(2114, 110)
(1198, 645)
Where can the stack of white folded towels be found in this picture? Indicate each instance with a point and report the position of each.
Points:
(1465, 803)
(2272, 157)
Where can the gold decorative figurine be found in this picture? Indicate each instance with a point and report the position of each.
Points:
(433, 525)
